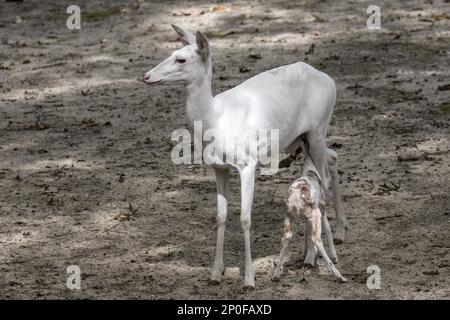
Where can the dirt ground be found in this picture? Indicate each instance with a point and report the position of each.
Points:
(86, 177)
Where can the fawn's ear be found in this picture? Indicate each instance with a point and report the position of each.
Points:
(202, 46)
(186, 37)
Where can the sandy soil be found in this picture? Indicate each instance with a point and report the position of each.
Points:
(85, 170)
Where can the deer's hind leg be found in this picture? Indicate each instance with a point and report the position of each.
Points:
(318, 152)
(341, 223)
(328, 234)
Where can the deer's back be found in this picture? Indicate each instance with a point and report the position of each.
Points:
(295, 96)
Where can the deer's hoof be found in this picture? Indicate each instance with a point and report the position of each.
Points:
(339, 235)
(249, 282)
(214, 282)
(216, 276)
(248, 288)
(342, 280)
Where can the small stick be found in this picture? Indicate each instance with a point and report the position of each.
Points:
(45, 66)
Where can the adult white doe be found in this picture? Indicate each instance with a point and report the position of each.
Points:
(295, 99)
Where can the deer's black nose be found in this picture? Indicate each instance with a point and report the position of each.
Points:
(146, 77)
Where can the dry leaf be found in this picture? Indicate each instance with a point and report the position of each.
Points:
(88, 122)
(319, 19)
(444, 87)
(181, 13)
(122, 216)
(439, 17)
(38, 126)
(255, 55)
(48, 40)
(220, 34)
(243, 69)
(217, 9)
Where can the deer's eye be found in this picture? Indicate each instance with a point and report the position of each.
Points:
(180, 60)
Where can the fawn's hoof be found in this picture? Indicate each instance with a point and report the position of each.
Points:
(309, 261)
(276, 276)
(341, 280)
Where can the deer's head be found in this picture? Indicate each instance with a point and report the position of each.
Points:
(184, 65)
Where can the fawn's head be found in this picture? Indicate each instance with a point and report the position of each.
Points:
(185, 65)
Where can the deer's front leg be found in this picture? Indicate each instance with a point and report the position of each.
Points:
(247, 175)
(222, 180)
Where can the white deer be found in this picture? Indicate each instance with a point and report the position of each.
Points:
(295, 99)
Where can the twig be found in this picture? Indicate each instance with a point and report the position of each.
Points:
(132, 210)
(389, 217)
(49, 65)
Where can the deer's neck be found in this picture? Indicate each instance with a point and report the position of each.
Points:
(199, 102)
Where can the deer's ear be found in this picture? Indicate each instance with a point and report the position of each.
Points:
(186, 37)
(202, 46)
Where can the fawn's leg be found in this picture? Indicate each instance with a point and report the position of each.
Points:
(222, 179)
(316, 225)
(322, 251)
(311, 251)
(305, 243)
(284, 244)
(328, 234)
